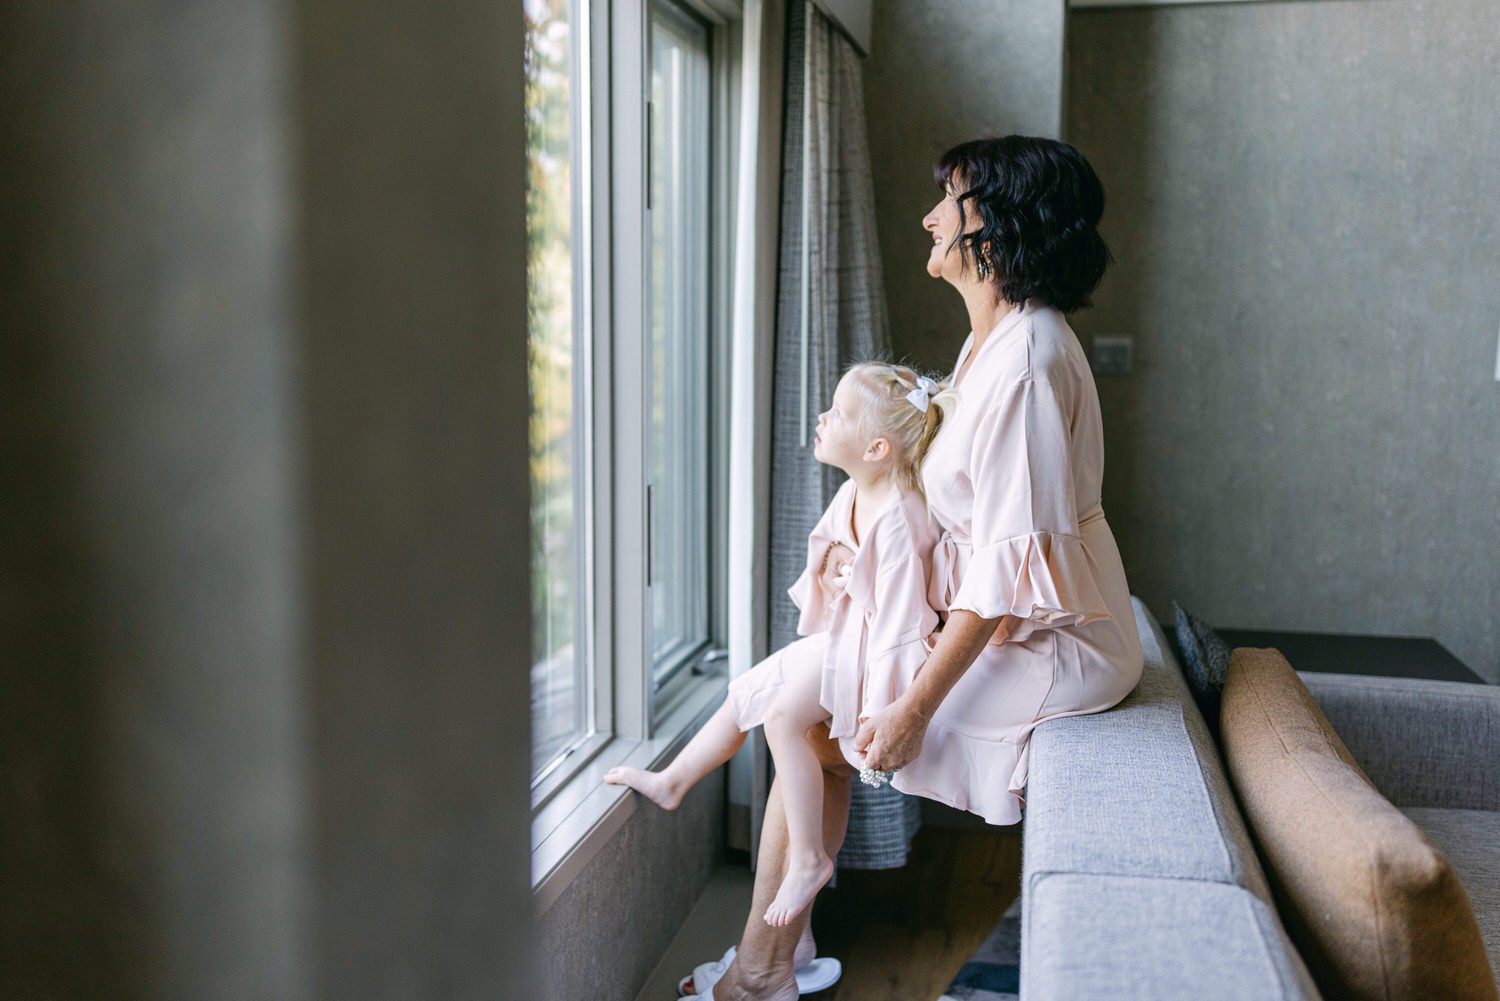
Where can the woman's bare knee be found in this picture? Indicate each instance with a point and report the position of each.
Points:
(830, 757)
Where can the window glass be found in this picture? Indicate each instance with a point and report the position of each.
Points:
(559, 680)
(679, 337)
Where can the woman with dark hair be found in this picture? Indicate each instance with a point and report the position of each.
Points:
(1039, 622)
(1038, 616)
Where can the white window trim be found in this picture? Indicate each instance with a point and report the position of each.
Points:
(574, 812)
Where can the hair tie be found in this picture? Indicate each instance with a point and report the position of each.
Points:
(926, 390)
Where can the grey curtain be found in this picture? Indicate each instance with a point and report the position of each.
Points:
(831, 312)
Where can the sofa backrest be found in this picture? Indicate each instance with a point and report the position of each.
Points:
(1137, 790)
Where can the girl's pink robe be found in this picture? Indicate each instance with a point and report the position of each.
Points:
(869, 640)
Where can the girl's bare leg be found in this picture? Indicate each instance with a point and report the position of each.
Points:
(762, 969)
(808, 866)
(714, 744)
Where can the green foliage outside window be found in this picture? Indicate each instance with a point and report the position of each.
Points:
(549, 281)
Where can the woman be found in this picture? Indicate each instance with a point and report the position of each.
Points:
(1039, 622)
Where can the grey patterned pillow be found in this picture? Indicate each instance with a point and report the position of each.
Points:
(1205, 663)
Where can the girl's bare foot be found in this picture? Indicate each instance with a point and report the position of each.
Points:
(655, 786)
(798, 887)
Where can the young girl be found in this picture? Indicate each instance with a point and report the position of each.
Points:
(866, 635)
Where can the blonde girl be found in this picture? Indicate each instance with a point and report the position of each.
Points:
(867, 628)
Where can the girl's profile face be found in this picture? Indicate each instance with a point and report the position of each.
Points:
(839, 441)
(944, 260)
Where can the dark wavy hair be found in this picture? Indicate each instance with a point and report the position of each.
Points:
(1040, 203)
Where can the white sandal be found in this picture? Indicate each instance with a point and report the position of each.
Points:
(818, 974)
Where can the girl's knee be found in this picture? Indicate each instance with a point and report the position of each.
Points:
(782, 724)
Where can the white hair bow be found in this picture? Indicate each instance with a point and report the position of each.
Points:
(926, 390)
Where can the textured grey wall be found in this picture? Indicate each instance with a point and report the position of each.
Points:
(264, 725)
(939, 74)
(607, 931)
(1304, 202)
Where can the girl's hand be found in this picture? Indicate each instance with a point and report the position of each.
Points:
(892, 738)
(836, 568)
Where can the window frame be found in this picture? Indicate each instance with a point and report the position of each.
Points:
(573, 813)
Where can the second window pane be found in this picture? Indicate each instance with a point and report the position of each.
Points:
(679, 337)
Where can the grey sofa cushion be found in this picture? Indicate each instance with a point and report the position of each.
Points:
(1471, 840)
(1137, 790)
(1162, 939)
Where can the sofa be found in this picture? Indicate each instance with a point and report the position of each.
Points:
(1140, 875)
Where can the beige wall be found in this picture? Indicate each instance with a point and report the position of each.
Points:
(1303, 205)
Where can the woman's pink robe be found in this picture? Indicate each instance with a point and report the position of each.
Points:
(1014, 480)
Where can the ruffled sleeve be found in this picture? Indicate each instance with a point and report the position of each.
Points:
(807, 593)
(1028, 559)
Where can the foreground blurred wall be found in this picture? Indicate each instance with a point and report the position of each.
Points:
(263, 599)
(1302, 204)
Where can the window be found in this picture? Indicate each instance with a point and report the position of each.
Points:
(627, 307)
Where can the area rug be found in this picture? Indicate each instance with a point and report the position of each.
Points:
(993, 973)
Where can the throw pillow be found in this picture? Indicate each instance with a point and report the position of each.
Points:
(1205, 663)
(1373, 906)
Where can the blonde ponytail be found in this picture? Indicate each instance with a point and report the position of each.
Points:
(906, 408)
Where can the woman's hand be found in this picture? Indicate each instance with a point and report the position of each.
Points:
(892, 738)
(836, 566)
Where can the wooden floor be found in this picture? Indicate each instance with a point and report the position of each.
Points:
(901, 934)
(904, 933)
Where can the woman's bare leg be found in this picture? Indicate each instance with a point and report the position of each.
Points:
(762, 966)
(800, 775)
(713, 744)
(807, 949)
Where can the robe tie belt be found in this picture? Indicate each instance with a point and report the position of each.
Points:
(844, 669)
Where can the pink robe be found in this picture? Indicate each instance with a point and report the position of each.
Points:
(1014, 479)
(869, 640)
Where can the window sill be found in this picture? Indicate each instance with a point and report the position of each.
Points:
(585, 813)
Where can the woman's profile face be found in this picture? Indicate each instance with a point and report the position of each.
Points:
(944, 260)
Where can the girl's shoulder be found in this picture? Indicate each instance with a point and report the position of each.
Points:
(905, 527)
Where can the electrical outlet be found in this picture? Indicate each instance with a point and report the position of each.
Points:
(1112, 355)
